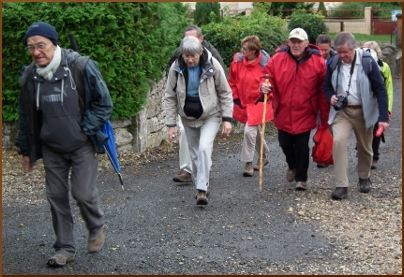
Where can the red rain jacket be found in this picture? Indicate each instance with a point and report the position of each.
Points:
(297, 88)
(244, 80)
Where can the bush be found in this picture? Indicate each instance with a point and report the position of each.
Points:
(312, 23)
(227, 35)
(206, 12)
(131, 42)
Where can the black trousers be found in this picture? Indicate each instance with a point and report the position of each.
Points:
(297, 152)
(376, 143)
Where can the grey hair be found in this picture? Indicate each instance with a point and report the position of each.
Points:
(345, 38)
(196, 28)
(190, 45)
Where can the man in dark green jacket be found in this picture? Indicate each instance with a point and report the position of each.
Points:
(64, 101)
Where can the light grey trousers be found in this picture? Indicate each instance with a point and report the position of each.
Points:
(251, 142)
(345, 121)
(83, 163)
(200, 143)
(184, 156)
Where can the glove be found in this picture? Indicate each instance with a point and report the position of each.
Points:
(390, 115)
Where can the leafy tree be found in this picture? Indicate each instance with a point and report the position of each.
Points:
(226, 36)
(131, 42)
(322, 9)
(206, 12)
(312, 23)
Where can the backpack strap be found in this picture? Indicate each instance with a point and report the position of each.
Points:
(78, 66)
(366, 64)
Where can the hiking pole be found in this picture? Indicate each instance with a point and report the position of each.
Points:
(264, 114)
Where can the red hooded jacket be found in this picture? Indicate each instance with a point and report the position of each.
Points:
(297, 89)
(244, 80)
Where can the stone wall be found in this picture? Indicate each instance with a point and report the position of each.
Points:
(148, 130)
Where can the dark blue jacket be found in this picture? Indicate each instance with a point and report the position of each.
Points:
(96, 105)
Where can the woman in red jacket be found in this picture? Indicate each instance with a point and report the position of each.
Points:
(297, 73)
(244, 80)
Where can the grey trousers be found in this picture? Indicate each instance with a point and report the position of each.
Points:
(200, 143)
(184, 156)
(83, 163)
(345, 122)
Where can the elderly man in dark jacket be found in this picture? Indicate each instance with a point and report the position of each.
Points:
(63, 104)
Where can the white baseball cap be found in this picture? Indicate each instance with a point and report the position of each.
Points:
(298, 33)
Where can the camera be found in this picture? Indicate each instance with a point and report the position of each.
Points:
(341, 103)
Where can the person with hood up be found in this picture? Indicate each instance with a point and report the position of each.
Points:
(296, 73)
(63, 103)
(198, 91)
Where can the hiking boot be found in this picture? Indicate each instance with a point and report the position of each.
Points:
(96, 241)
(290, 175)
(339, 193)
(301, 185)
(60, 259)
(207, 193)
(364, 185)
(258, 165)
(248, 170)
(201, 198)
(183, 177)
(374, 164)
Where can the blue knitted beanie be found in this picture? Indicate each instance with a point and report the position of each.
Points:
(42, 29)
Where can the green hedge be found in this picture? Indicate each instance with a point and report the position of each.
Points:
(312, 23)
(131, 42)
(227, 35)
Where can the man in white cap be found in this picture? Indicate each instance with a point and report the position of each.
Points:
(296, 73)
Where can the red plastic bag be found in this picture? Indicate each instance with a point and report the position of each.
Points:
(322, 148)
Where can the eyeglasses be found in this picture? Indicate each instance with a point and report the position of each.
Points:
(39, 46)
(190, 57)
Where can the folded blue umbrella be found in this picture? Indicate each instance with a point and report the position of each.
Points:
(110, 149)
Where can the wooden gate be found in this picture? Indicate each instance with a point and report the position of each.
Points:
(383, 27)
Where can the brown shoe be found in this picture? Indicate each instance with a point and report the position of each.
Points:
(96, 241)
(301, 186)
(258, 165)
(248, 170)
(290, 175)
(201, 198)
(60, 259)
(183, 177)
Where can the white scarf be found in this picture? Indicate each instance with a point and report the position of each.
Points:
(48, 71)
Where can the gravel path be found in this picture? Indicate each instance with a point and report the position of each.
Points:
(154, 226)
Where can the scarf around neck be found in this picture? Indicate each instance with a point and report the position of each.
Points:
(48, 71)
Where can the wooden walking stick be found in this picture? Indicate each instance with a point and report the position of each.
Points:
(263, 133)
